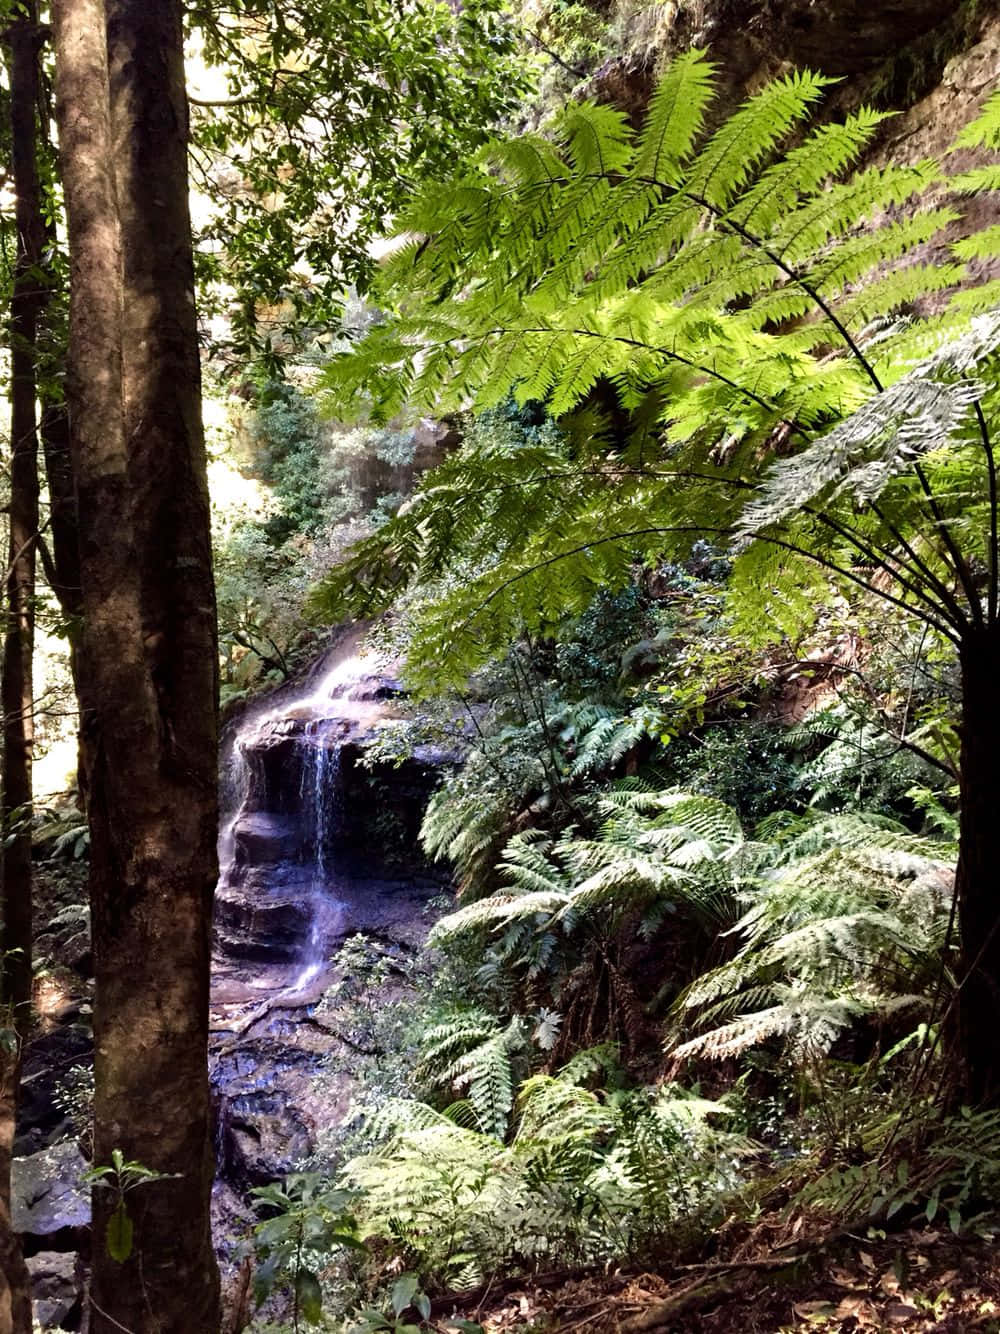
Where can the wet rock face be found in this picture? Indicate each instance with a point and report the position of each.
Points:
(839, 37)
(311, 818)
(262, 1086)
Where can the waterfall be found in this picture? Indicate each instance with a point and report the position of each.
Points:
(319, 792)
(239, 790)
(278, 845)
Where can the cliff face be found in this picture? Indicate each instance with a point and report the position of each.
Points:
(934, 62)
(938, 55)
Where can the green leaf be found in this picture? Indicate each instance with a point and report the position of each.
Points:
(309, 1295)
(403, 1292)
(119, 1235)
(273, 1231)
(263, 1279)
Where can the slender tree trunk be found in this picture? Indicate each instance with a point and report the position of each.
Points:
(978, 875)
(64, 575)
(16, 690)
(148, 659)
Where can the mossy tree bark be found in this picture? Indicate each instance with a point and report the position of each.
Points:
(148, 657)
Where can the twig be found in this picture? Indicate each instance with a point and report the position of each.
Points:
(124, 1328)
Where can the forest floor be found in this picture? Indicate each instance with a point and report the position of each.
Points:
(921, 1279)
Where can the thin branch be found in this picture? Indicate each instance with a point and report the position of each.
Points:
(961, 566)
(879, 556)
(843, 573)
(577, 71)
(901, 740)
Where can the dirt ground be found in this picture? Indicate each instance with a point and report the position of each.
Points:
(922, 1279)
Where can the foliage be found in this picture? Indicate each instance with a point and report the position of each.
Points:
(745, 763)
(285, 442)
(121, 1177)
(62, 834)
(728, 413)
(472, 1054)
(321, 486)
(306, 1221)
(584, 1177)
(665, 263)
(849, 922)
(74, 1096)
(332, 112)
(944, 1163)
(406, 1293)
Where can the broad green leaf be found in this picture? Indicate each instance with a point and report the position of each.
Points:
(310, 1296)
(119, 1235)
(403, 1292)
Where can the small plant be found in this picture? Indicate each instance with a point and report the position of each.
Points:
(121, 1177)
(74, 1096)
(406, 1293)
(308, 1221)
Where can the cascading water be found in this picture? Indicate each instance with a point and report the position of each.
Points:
(320, 792)
(239, 789)
(303, 863)
(278, 850)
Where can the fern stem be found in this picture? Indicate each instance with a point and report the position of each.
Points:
(945, 592)
(961, 567)
(945, 630)
(880, 555)
(814, 294)
(991, 470)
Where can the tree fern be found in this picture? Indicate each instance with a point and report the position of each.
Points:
(849, 921)
(657, 852)
(760, 310)
(709, 286)
(584, 1177)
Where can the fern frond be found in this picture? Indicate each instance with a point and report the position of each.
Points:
(675, 118)
(732, 153)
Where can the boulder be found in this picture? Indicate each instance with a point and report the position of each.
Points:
(50, 1203)
(55, 1289)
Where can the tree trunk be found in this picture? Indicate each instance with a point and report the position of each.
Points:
(16, 690)
(978, 875)
(148, 659)
(64, 574)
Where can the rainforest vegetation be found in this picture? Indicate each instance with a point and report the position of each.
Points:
(501, 506)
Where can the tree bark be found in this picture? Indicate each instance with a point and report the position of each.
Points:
(148, 658)
(16, 686)
(64, 575)
(978, 875)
